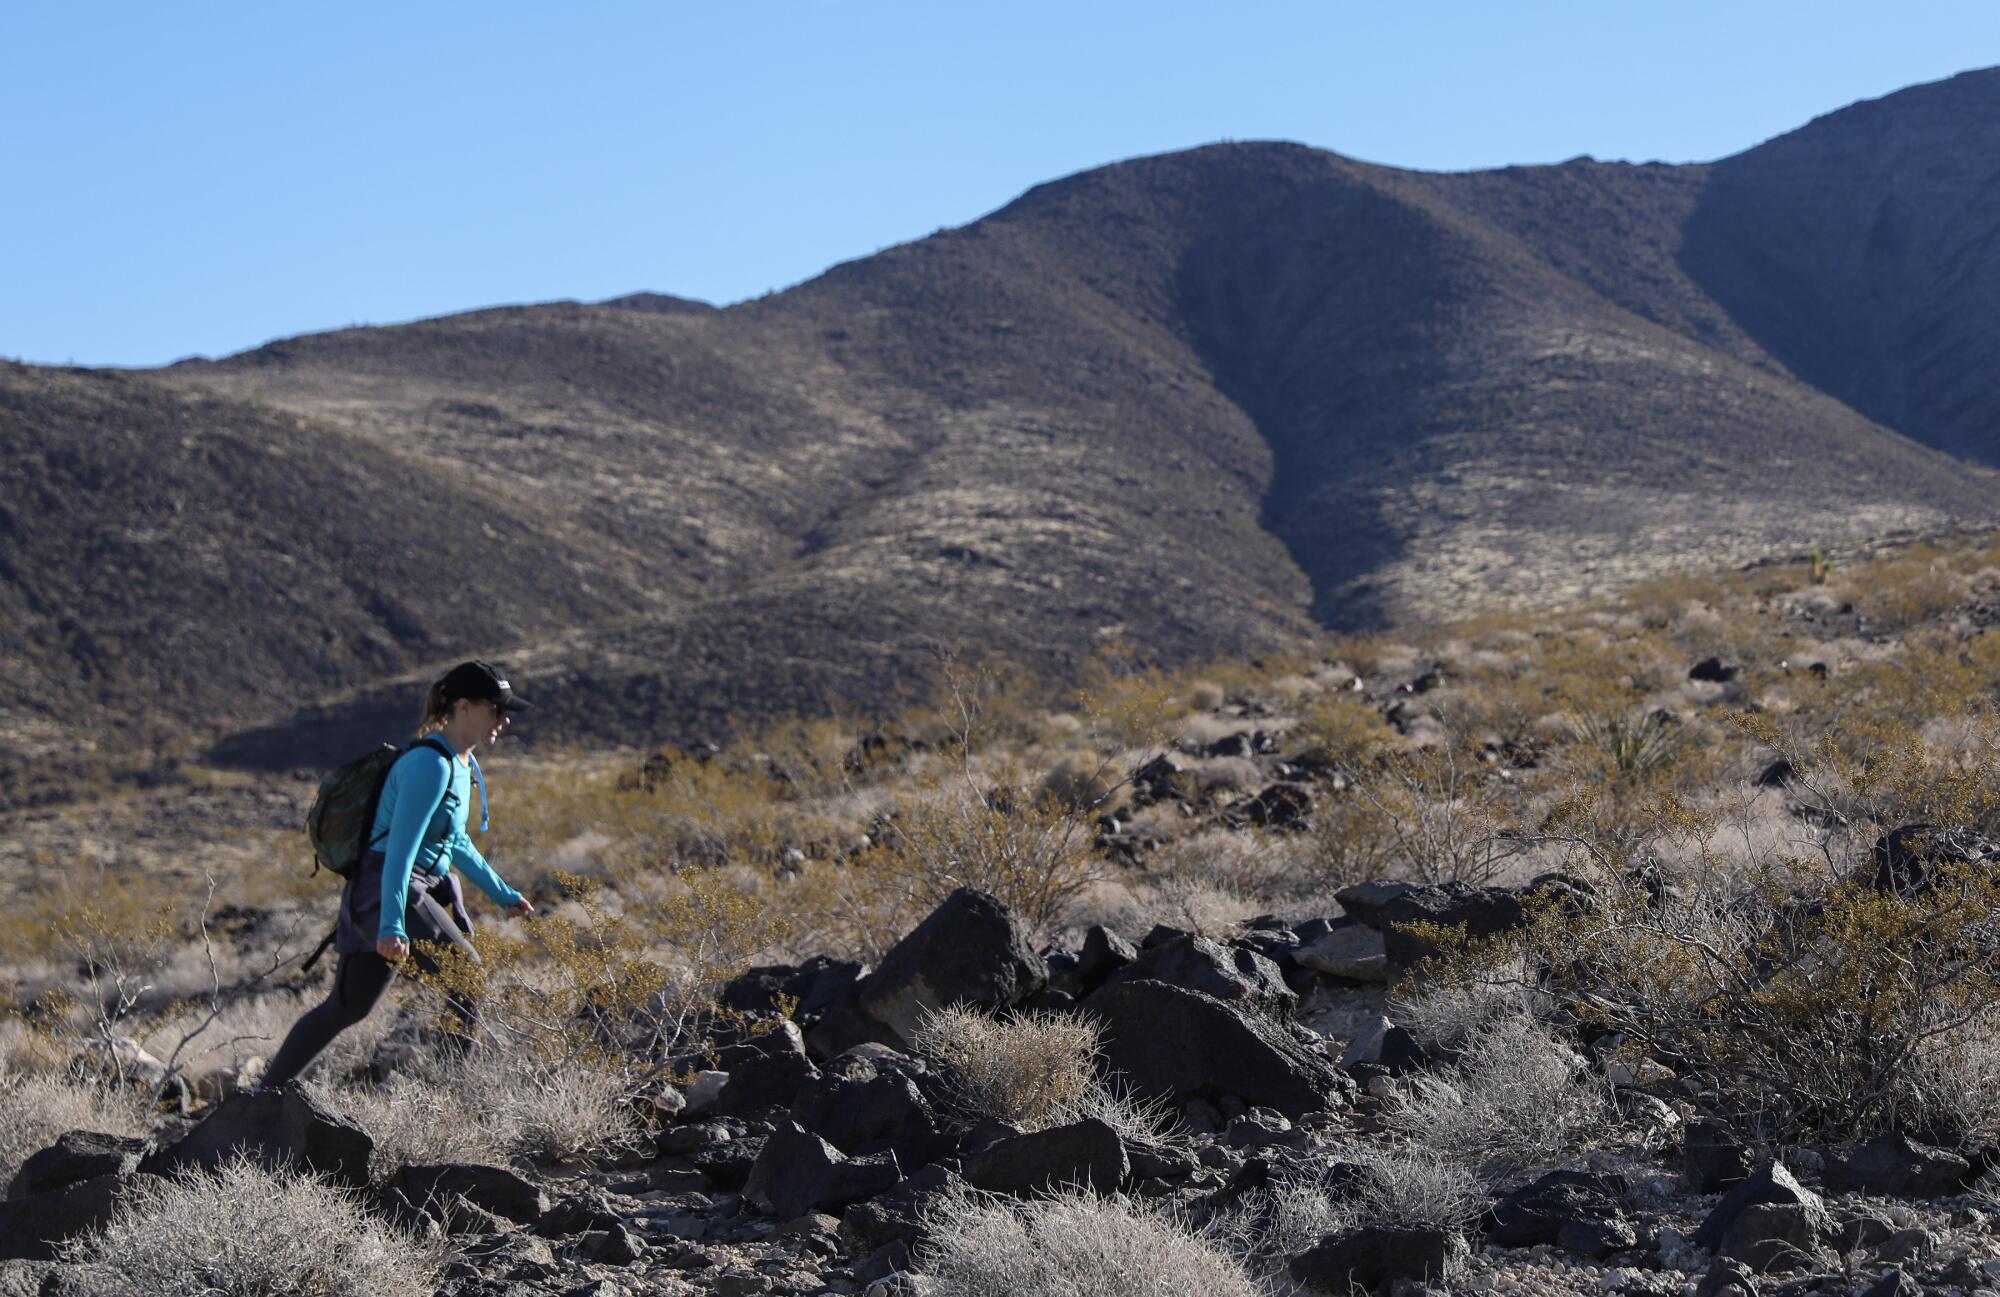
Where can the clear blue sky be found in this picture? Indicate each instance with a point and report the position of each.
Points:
(182, 179)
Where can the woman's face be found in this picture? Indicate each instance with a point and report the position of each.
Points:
(478, 722)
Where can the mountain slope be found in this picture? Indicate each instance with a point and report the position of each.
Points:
(166, 556)
(1200, 402)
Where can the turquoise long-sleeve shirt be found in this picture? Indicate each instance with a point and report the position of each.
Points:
(420, 824)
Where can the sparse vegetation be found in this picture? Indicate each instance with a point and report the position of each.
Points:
(1708, 775)
(246, 1231)
(1073, 1243)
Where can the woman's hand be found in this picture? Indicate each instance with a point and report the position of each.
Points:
(521, 909)
(393, 949)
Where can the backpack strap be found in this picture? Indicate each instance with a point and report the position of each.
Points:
(443, 749)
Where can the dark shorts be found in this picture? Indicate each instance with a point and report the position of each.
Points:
(434, 911)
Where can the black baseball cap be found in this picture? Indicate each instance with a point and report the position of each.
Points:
(482, 682)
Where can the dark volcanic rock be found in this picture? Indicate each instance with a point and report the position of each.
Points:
(1772, 1184)
(1085, 1153)
(896, 1215)
(490, 1188)
(765, 1071)
(1479, 911)
(1713, 1157)
(1174, 1044)
(1104, 953)
(76, 1156)
(970, 951)
(1363, 902)
(32, 1227)
(1769, 1236)
(869, 1102)
(1893, 1163)
(797, 1172)
(1906, 860)
(1377, 1257)
(1586, 1207)
(1225, 972)
(812, 986)
(294, 1127)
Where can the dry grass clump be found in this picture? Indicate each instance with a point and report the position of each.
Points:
(487, 1105)
(1073, 1243)
(244, 1230)
(1033, 1069)
(35, 1110)
(1517, 1097)
(1376, 1186)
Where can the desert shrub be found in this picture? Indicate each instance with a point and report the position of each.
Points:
(418, 1119)
(996, 834)
(488, 1103)
(1072, 1243)
(1517, 1096)
(1035, 1070)
(1950, 1087)
(1379, 1186)
(1903, 591)
(1444, 1012)
(244, 1230)
(1032, 1069)
(35, 1110)
(1788, 984)
(1429, 814)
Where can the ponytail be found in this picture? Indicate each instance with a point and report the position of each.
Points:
(437, 710)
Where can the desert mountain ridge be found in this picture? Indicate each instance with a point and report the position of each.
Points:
(1204, 403)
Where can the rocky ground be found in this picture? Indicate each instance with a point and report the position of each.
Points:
(808, 1158)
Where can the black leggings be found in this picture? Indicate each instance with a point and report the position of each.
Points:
(358, 986)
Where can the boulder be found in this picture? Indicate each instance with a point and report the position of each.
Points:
(1363, 902)
(1349, 950)
(1768, 1236)
(1771, 1184)
(1173, 1044)
(872, 1102)
(293, 1127)
(970, 951)
(614, 1246)
(1893, 1163)
(1713, 671)
(765, 1071)
(1906, 860)
(1727, 1277)
(32, 1228)
(797, 1172)
(1279, 806)
(1085, 1153)
(1588, 1207)
(810, 986)
(1381, 1042)
(1229, 973)
(76, 1156)
(1376, 1258)
(1712, 1156)
(896, 1215)
(1104, 953)
(1897, 1282)
(1480, 911)
(438, 1189)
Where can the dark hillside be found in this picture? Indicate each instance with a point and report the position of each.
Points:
(168, 558)
(1863, 251)
(1197, 402)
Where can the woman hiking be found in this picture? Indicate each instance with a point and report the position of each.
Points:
(406, 887)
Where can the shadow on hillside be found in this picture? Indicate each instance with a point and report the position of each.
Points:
(317, 738)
